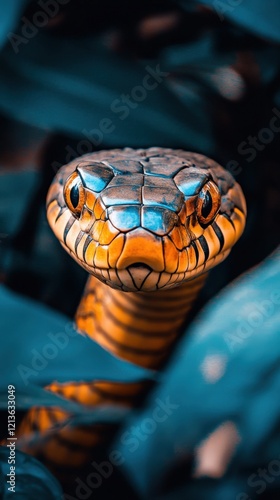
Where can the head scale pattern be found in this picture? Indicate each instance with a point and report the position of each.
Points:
(143, 220)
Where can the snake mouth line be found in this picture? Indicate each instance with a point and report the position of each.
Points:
(140, 265)
(124, 280)
(140, 277)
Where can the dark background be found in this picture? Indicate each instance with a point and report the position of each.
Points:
(223, 87)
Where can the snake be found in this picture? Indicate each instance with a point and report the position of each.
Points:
(147, 225)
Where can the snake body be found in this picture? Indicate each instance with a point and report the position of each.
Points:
(147, 225)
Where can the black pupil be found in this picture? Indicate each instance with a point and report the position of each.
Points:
(74, 196)
(207, 205)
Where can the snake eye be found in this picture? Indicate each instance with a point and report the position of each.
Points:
(208, 203)
(74, 194)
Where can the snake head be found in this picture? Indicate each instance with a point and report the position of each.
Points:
(144, 220)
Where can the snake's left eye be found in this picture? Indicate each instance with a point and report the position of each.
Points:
(74, 194)
(208, 203)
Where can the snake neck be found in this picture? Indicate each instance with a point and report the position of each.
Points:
(137, 327)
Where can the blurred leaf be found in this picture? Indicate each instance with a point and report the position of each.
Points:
(39, 345)
(226, 369)
(32, 479)
(10, 13)
(259, 17)
(75, 96)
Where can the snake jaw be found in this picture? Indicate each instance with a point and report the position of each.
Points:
(148, 221)
(124, 280)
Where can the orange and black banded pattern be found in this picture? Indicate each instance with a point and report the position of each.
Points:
(147, 225)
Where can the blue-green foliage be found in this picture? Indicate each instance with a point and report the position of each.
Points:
(39, 345)
(31, 478)
(239, 333)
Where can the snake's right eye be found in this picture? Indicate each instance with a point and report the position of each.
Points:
(208, 203)
(74, 194)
